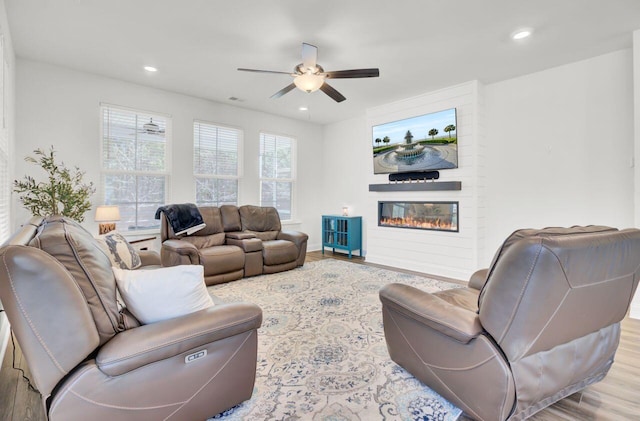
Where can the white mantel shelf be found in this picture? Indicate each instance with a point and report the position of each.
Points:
(420, 186)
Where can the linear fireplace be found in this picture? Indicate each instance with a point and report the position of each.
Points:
(439, 216)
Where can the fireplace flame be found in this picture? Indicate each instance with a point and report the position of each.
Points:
(420, 223)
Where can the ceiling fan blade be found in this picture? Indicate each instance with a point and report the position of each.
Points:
(283, 91)
(355, 73)
(309, 56)
(329, 90)
(263, 71)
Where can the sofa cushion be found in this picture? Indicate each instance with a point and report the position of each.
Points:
(84, 258)
(259, 218)
(230, 218)
(221, 259)
(159, 294)
(203, 242)
(265, 235)
(118, 249)
(211, 217)
(279, 251)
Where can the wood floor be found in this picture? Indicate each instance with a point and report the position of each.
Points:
(614, 398)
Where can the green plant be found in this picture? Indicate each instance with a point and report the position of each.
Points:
(63, 193)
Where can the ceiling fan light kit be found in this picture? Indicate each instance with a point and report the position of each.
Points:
(309, 82)
(309, 76)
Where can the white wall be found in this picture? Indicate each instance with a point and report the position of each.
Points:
(60, 107)
(560, 147)
(345, 168)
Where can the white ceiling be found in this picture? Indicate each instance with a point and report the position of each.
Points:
(418, 45)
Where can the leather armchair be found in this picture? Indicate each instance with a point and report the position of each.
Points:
(540, 324)
(60, 297)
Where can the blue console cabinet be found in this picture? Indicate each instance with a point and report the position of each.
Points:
(342, 232)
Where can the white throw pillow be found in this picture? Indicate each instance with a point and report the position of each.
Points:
(159, 294)
(121, 253)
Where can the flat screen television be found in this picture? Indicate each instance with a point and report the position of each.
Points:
(427, 142)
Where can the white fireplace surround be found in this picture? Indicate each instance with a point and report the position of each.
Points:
(450, 254)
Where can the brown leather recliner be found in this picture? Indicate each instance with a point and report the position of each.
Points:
(282, 250)
(59, 293)
(540, 324)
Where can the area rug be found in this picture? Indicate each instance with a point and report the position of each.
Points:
(321, 348)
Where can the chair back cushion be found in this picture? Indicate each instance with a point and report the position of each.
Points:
(548, 288)
(47, 312)
(79, 252)
(264, 221)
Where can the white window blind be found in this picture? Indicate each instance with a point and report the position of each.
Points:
(5, 176)
(5, 187)
(277, 173)
(216, 163)
(134, 165)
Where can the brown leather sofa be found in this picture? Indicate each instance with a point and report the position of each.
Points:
(540, 324)
(236, 243)
(91, 360)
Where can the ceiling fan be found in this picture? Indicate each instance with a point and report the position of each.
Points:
(309, 76)
(151, 127)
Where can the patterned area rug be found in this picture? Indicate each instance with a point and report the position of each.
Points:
(321, 348)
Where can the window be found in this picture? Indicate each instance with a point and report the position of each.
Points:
(5, 179)
(216, 165)
(277, 173)
(5, 187)
(134, 165)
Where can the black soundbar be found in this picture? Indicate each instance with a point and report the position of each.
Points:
(408, 176)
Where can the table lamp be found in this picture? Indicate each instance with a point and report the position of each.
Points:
(107, 215)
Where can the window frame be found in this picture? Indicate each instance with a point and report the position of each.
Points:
(168, 135)
(240, 154)
(294, 171)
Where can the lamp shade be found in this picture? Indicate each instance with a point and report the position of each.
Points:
(107, 213)
(309, 82)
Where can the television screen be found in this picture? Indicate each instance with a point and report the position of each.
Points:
(424, 143)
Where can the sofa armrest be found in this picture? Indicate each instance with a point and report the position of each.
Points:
(240, 235)
(456, 322)
(296, 237)
(149, 257)
(180, 248)
(478, 279)
(154, 342)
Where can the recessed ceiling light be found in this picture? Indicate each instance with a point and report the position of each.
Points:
(303, 108)
(521, 34)
(150, 69)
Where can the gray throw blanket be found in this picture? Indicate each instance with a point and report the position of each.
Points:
(185, 218)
